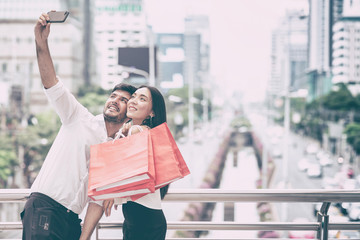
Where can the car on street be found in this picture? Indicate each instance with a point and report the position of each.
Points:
(354, 212)
(324, 158)
(312, 148)
(277, 153)
(314, 170)
(303, 164)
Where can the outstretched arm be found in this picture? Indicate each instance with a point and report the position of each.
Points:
(93, 215)
(46, 66)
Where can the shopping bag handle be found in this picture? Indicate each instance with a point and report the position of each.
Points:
(119, 134)
(137, 126)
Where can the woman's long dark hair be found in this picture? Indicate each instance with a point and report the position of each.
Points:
(159, 109)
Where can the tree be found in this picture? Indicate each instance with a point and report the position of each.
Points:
(94, 102)
(352, 131)
(36, 140)
(341, 99)
(8, 159)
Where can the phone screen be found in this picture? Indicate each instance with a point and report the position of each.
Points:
(58, 17)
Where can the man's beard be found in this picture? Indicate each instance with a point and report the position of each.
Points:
(114, 119)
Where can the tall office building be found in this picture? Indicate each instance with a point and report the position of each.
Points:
(118, 24)
(170, 57)
(18, 56)
(346, 47)
(323, 15)
(197, 48)
(289, 55)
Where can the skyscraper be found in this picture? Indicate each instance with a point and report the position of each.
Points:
(346, 47)
(18, 56)
(289, 55)
(118, 23)
(197, 47)
(171, 57)
(321, 19)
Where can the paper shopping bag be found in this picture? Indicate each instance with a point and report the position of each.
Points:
(182, 164)
(137, 189)
(140, 187)
(121, 162)
(169, 163)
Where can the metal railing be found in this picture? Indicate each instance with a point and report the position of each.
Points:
(321, 226)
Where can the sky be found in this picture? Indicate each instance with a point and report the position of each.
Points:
(240, 33)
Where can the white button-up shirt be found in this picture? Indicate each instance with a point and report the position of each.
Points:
(64, 173)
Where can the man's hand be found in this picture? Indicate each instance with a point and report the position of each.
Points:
(46, 66)
(42, 29)
(107, 205)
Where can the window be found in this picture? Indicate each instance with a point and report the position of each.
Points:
(4, 67)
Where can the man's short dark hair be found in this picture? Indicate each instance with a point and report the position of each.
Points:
(124, 87)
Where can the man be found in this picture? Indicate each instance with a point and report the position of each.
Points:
(59, 193)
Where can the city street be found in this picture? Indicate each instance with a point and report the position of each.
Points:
(295, 178)
(243, 176)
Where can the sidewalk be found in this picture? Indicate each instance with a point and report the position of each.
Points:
(240, 177)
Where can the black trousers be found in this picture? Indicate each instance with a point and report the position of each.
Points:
(142, 223)
(44, 218)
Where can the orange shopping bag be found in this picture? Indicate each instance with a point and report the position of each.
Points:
(169, 163)
(118, 165)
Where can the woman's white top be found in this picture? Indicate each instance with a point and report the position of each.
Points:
(150, 200)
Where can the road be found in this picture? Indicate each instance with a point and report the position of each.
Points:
(294, 178)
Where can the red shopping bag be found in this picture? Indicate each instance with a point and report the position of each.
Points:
(169, 163)
(136, 189)
(182, 164)
(116, 165)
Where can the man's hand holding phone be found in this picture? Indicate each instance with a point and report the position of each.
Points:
(42, 27)
(57, 17)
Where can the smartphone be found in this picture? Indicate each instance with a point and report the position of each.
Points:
(58, 17)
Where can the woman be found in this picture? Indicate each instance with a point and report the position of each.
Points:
(143, 218)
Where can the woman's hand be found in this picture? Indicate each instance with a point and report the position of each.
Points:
(125, 128)
(107, 205)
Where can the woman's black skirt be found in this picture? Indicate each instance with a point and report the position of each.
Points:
(142, 223)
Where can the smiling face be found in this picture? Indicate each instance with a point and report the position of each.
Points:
(115, 106)
(139, 106)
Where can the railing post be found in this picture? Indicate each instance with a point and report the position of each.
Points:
(325, 228)
(323, 219)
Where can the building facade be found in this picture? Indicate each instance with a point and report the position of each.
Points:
(321, 20)
(170, 57)
(197, 48)
(346, 47)
(18, 55)
(289, 55)
(118, 23)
